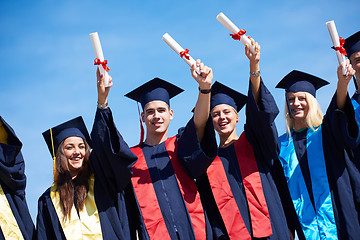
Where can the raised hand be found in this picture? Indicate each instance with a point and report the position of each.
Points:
(101, 89)
(206, 75)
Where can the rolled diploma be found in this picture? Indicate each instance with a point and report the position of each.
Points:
(234, 29)
(177, 48)
(95, 41)
(335, 39)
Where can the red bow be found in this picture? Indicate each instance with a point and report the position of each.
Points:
(103, 64)
(238, 35)
(185, 54)
(341, 48)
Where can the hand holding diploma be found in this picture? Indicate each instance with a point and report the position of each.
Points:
(95, 41)
(237, 33)
(184, 54)
(338, 45)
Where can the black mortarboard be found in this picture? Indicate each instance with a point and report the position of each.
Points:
(297, 81)
(221, 94)
(156, 89)
(73, 128)
(352, 44)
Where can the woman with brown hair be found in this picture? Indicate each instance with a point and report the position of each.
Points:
(87, 198)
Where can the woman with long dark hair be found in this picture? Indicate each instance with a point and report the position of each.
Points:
(88, 197)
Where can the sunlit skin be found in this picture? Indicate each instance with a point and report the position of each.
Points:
(299, 108)
(225, 119)
(74, 150)
(156, 116)
(355, 62)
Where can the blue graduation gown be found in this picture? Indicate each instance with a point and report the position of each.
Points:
(13, 182)
(111, 161)
(261, 132)
(339, 134)
(169, 197)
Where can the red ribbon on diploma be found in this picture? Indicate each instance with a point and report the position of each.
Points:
(103, 64)
(341, 48)
(238, 35)
(185, 54)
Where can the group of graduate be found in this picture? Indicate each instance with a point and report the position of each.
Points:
(253, 185)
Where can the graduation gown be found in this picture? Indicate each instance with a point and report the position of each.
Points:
(13, 182)
(339, 132)
(174, 211)
(261, 133)
(111, 161)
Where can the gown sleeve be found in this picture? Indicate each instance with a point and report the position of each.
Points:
(113, 158)
(260, 127)
(341, 125)
(47, 224)
(12, 165)
(194, 156)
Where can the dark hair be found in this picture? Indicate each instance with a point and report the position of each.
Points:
(71, 191)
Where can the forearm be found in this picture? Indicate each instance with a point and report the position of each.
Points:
(201, 113)
(255, 80)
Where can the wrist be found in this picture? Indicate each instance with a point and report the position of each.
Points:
(205, 90)
(255, 73)
(102, 105)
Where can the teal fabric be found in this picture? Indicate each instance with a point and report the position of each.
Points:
(318, 223)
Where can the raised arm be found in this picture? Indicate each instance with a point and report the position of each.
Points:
(254, 68)
(202, 108)
(342, 85)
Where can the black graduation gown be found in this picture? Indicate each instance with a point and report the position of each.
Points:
(111, 161)
(170, 199)
(13, 182)
(339, 134)
(261, 132)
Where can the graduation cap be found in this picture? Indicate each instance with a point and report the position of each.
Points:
(297, 81)
(221, 94)
(73, 128)
(352, 44)
(155, 89)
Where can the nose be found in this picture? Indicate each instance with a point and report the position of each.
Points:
(296, 101)
(76, 150)
(222, 115)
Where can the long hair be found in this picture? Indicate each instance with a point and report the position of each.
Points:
(71, 191)
(313, 118)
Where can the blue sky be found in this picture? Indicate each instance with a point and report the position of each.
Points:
(48, 75)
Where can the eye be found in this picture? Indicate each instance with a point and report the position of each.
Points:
(215, 114)
(68, 147)
(82, 146)
(161, 110)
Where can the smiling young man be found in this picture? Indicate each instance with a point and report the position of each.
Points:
(166, 199)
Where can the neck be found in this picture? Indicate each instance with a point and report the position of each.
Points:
(299, 124)
(226, 140)
(73, 174)
(155, 139)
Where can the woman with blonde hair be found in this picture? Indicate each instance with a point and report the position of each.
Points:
(320, 200)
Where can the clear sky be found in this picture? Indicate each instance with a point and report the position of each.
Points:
(48, 75)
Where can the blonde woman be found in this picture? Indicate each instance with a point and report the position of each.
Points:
(314, 160)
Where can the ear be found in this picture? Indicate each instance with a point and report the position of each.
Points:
(171, 112)
(143, 117)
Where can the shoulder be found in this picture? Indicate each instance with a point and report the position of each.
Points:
(45, 195)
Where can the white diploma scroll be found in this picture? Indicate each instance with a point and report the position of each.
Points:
(178, 49)
(336, 42)
(95, 41)
(234, 29)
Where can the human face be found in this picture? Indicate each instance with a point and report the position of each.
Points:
(74, 151)
(157, 116)
(298, 105)
(355, 62)
(224, 119)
